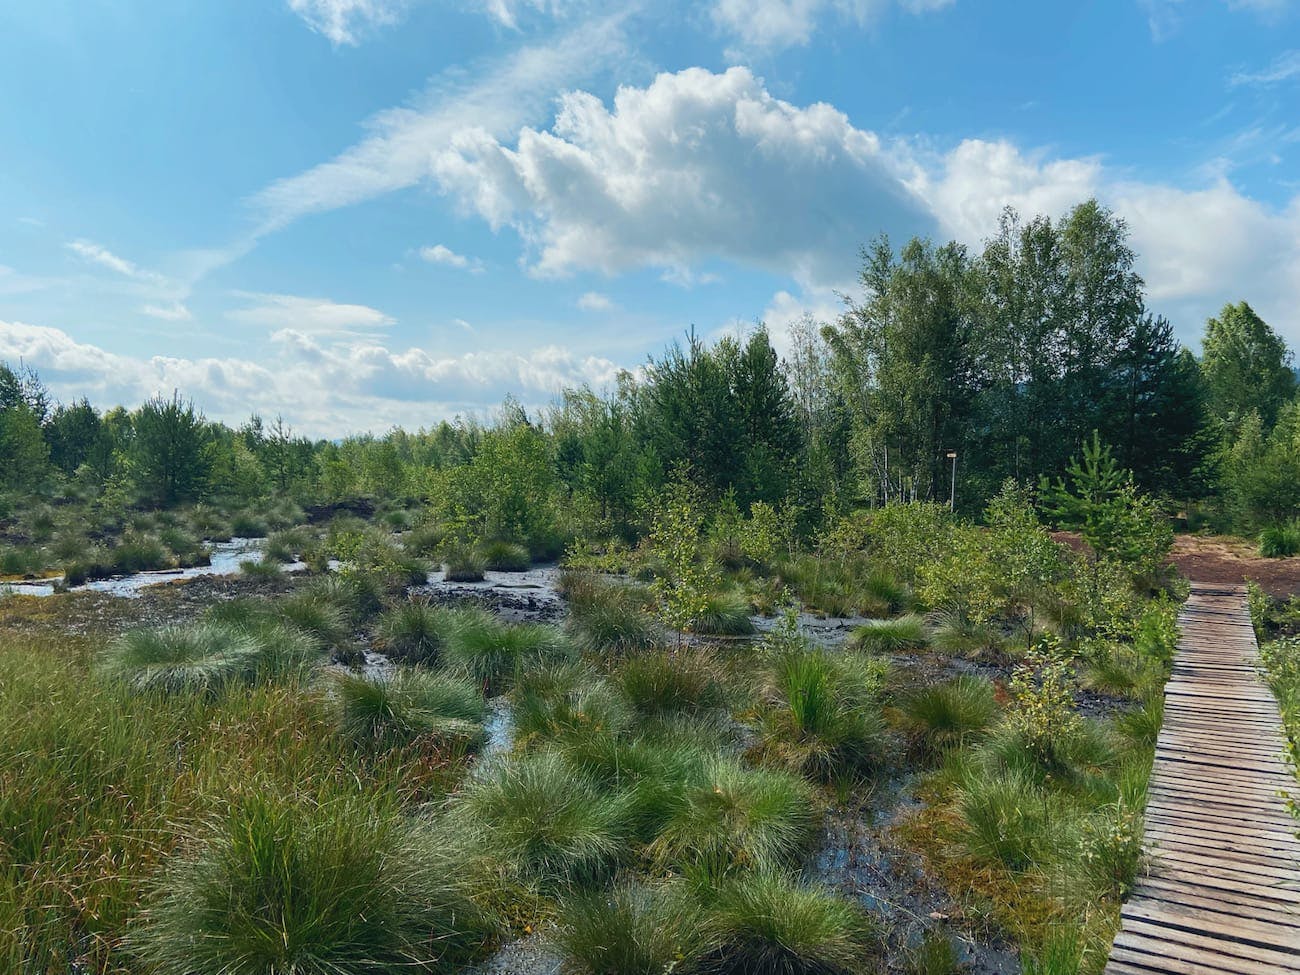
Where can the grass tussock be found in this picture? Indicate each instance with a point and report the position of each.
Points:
(634, 929)
(493, 654)
(665, 684)
(414, 632)
(333, 887)
(889, 635)
(410, 706)
(724, 612)
(607, 617)
(948, 715)
(503, 556)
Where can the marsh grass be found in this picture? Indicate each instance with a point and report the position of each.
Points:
(568, 702)
(175, 659)
(608, 617)
(504, 556)
(822, 716)
(265, 569)
(315, 615)
(358, 595)
(1280, 541)
(665, 684)
(736, 818)
(545, 822)
(948, 715)
(769, 923)
(463, 564)
(633, 929)
(407, 707)
(724, 612)
(492, 654)
(338, 886)
(414, 632)
(889, 635)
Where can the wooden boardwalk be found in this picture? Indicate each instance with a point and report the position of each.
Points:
(1220, 888)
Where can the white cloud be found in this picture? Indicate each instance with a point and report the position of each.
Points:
(595, 301)
(442, 254)
(308, 314)
(98, 254)
(1285, 67)
(776, 24)
(173, 312)
(325, 390)
(695, 166)
(404, 143)
(344, 21)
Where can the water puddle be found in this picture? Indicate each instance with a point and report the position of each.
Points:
(225, 561)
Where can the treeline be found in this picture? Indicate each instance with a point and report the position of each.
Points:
(1010, 358)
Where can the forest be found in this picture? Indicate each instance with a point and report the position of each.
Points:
(837, 659)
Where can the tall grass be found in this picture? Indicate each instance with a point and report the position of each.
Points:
(502, 556)
(666, 684)
(1280, 541)
(948, 715)
(889, 636)
(333, 887)
(608, 617)
(634, 929)
(493, 653)
(410, 706)
(414, 632)
(724, 612)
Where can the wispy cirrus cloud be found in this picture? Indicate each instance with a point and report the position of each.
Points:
(99, 254)
(347, 21)
(444, 255)
(1285, 67)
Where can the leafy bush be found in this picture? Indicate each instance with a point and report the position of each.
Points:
(823, 714)
(492, 653)
(545, 822)
(502, 556)
(331, 888)
(635, 929)
(947, 715)
(1280, 541)
(736, 818)
(886, 636)
(408, 706)
(415, 632)
(770, 924)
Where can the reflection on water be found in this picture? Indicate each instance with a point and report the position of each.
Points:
(226, 557)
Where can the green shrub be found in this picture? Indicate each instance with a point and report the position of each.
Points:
(502, 556)
(667, 684)
(635, 929)
(408, 706)
(608, 617)
(724, 612)
(547, 823)
(492, 653)
(1280, 541)
(771, 924)
(823, 714)
(948, 715)
(887, 636)
(334, 888)
(736, 818)
(414, 632)
(175, 658)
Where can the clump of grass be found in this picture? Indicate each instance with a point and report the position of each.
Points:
(608, 617)
(337, 887)
(286, 655)
(175, 658)
(948, 715)
(1121, 672)
(492, 653)
(1280, 541)
(888, 636)
(666, 684)
(358, 595)
(823, 715)
(414, 632)
(286, 545)
(953, 631)
(887, 590)
(425, 539)
(463, 564)
(264, 569)
(410, 706)
(546, 823)
(934, 954)
(247, 524)
(568, 702)
(771, 924)
(313, 614)
(1006, 816)
(736, 818)
(635, 929)
(725, 612)
(502, 556)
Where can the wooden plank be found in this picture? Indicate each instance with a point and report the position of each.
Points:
(1220, 889)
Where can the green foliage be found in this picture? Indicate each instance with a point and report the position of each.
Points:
(178, 658)
(607, 616)
(667, 684)
(1247, 366)
(567, 702)
(723, 612)
(888, 636)
(492, 654)
(463, 564)
(336, 887)
(1007, 817)
(505, 557)
(414, 632)
(1042, 709)
(1280, 541)
(169, 457)
(1261, 471)
(409, 706)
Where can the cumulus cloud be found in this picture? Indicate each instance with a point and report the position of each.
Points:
(442, 254)
(308, 314)
(775, 24)
(345, 21)
(696, 165)
(325, 389)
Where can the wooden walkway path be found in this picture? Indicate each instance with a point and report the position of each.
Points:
(1220, 888)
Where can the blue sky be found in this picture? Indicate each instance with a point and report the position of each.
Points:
(361, 213)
